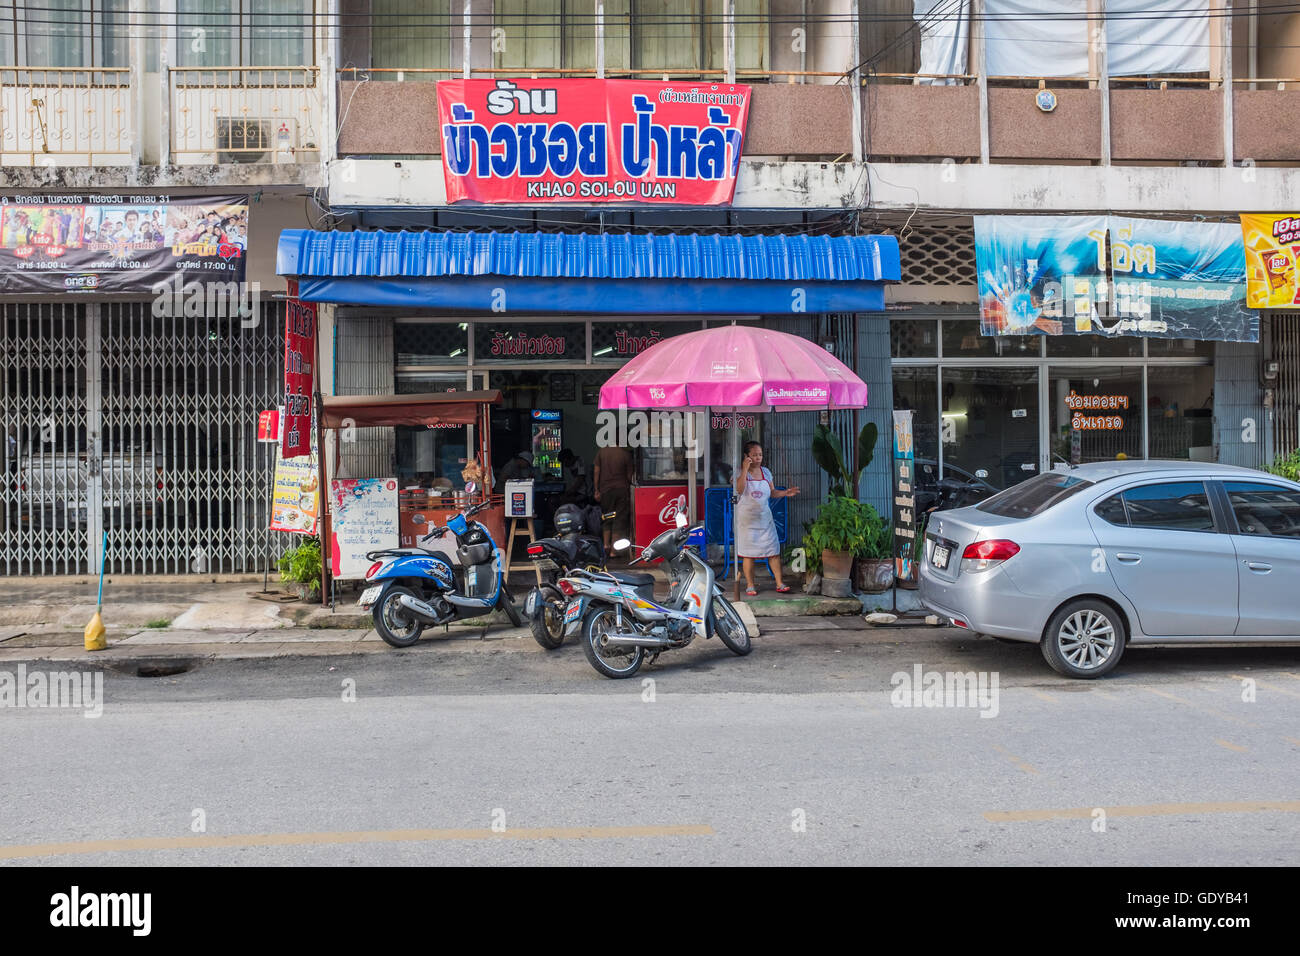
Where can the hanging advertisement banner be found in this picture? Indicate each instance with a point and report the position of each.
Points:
(904, 496)
(295, 497)
(299, 359)
(1272, 251)
(61, 244)
(585, 141)
(1112, 276)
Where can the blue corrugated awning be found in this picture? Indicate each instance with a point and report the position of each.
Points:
(579, 272)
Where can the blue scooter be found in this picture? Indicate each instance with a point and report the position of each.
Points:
(415, 588)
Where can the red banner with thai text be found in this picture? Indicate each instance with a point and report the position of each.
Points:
(589, 141)
(299, 363)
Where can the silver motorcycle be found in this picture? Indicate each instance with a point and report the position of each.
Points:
(622, 624)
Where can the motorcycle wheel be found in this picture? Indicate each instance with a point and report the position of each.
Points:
(611, 660)
(728, 626)
(508, 605)
(395, 624)
(547, 624)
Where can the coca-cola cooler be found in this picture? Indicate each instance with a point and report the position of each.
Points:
(660, 491)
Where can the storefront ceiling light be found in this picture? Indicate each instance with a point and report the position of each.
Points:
(463, 326)
(954, 414)
(457, 352)
(605, 351)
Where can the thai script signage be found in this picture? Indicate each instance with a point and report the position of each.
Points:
(1272, 251)
(94, 244)
(299, 362)
(1080, 404)
(904, 496)
(1112, 275)
(585, 141)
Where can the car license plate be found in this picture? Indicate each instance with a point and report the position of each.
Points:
(571, 612)
(940, 557)
(370, 595)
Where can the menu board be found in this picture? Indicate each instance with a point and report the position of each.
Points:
(363, 517)
(904, 496)
(295, 499)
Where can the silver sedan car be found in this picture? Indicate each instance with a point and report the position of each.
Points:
(1087, 560)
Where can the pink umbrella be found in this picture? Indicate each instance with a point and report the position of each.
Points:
(735, 368)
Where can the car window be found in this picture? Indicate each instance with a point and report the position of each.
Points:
(1265, 509)
(1172, 506)
(1033, 497)
(1112, 510)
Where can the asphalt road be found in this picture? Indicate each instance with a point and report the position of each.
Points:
(495, 752)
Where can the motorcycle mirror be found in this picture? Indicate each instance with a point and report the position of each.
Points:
(982, 473)
(621, 544)
(681, 520)
(471, 487)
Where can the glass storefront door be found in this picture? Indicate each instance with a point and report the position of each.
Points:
(989, 423)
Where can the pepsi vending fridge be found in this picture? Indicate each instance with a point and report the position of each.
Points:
(547, 440)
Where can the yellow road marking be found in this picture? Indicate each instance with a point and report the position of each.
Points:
(1148, 810)
(1267, 686)
(1041, 696)
(1213, 711)
(346, 836)
(1020, 764)
(1228, 746)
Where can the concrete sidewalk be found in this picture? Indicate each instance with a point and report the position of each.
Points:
(149, 619)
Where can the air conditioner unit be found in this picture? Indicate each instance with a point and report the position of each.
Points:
(263, 140)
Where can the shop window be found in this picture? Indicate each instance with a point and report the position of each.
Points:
(620, 341)
(913, 338)
(431, 343)
(1096, 413)
(962, 339)
(989, 424)
(1180, 348)
(1093, 346)
(1180, 412)
(405, 38)
(538, 342)
(545, 34)
(224, 33)
(682, 36)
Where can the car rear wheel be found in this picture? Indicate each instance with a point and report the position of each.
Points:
(1084, 639)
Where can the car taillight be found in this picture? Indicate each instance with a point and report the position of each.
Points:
(567, 588)
(983, 555)
(535, 549)
(373, 568)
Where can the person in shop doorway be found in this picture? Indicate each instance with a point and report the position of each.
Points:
(576, 486)
(613, 472)
(518, 468)
(756, 537)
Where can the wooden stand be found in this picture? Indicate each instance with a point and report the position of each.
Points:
(529, 529)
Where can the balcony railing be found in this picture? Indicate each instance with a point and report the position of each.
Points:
(249, 114)
(65, 116)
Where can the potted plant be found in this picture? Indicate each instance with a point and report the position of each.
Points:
(873, 551)
(832, 540)
(301, 568)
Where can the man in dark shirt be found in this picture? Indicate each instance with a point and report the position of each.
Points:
(613, 473)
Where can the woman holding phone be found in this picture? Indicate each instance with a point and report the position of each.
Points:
(755, 528)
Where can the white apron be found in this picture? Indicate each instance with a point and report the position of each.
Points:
(755, 527)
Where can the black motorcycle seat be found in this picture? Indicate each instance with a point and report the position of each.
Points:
(634, 578)
(567, 548)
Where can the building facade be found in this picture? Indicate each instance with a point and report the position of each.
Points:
(864, 119)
